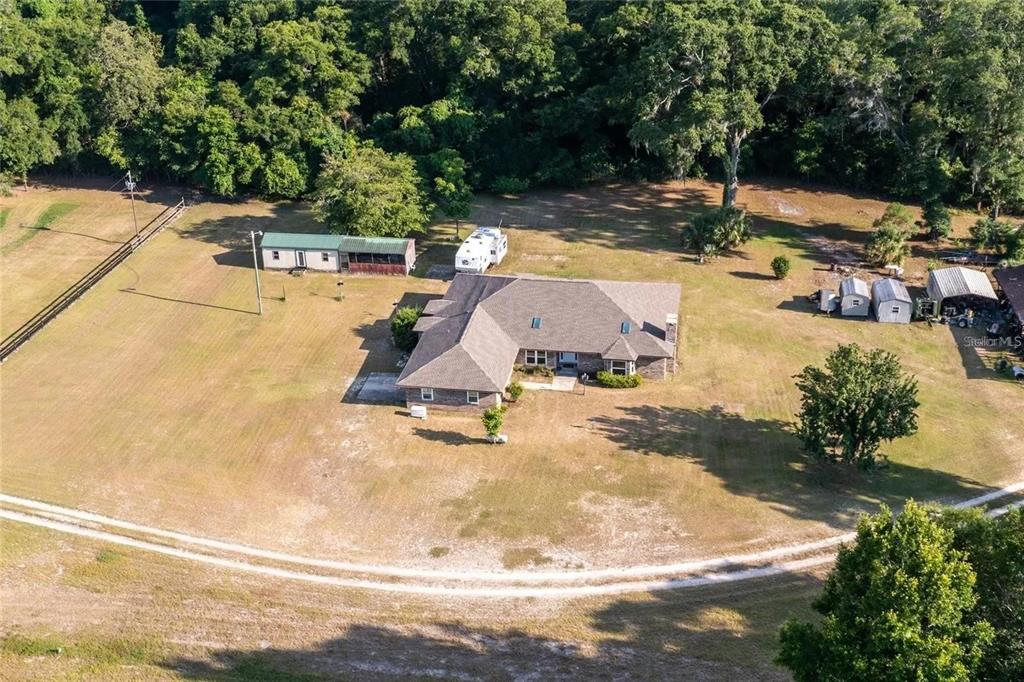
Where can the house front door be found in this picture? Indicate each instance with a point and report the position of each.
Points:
(300, 259)
(567, 360)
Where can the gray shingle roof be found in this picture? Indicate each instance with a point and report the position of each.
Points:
(948, 282)
(889, 289)
(487, 319)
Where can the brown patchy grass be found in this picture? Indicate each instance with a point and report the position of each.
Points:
(52, 235)
(161, 397)
(167, 619)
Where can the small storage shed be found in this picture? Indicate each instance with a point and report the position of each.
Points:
(338, 253)
(891, 301)
(854, 297)
(960, 286)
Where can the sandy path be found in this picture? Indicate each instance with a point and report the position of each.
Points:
(431, 582)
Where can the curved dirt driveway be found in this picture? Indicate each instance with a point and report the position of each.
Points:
(449, 583)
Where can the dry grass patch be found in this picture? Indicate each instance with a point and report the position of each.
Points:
(162, 397)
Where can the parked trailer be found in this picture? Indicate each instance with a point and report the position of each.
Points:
(485, 247)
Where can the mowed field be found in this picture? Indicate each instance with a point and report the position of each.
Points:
(52, 235)
(161, 397)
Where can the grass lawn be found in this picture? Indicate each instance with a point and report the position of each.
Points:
(163, 398)
(53, 234)
(75, 609)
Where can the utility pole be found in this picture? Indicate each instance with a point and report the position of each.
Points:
(256, 270)
(131, 192)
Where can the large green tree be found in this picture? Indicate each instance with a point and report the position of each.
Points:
(853, 404)
(370, 192)
(897, 606)
(697, 75)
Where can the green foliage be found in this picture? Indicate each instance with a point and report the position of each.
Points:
(781, 267)
(514, 390)
(994, 546)
(493, 419)
(888, 245)
(509, 185)
(937, 220)
(370, 192)
(897, 606)
(539, 370)
(859, 400)
(401, 327)
(1003, 238)
(53, 213)
(713, 232)
(609, 380)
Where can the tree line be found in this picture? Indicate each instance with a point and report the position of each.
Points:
(435, 99)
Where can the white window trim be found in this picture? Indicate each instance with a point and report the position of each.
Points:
(275, 255)
(325, 257)
(626, 367)
(472, 397)
(895, 310)
(540, 357)
(424, 392)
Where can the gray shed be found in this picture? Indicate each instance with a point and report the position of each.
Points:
(891, 301)
(959, 282)
(854, 297)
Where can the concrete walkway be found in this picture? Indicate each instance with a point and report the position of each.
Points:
(564, 384)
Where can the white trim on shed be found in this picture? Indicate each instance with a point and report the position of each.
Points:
(891, 301)
(854, 297)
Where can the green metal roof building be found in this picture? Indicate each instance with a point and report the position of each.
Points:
(338, 253)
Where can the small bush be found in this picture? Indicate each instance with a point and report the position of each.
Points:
(538, 370)
(609, 380)
(781, 266)
(509, 185)
(401, 327)
(493, 418)
(515, 390)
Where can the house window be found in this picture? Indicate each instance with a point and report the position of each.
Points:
(535, 323)
(473, 397)
(536, 357)
(325, 257)
(895, 310)
(427, 395)
(621, 367)
(275, 255)
(625, 327)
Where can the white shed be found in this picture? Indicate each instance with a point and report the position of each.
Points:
(891, 301)
(854, 297)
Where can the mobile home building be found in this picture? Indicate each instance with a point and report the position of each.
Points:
(338, 253)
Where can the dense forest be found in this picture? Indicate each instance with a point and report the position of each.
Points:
(921, 99)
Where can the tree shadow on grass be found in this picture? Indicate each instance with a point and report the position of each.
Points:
(763, 459)
(714, 634)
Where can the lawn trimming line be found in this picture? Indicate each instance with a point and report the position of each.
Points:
(473, 575)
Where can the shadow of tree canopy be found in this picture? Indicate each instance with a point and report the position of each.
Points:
(674, 634)
(763, 459)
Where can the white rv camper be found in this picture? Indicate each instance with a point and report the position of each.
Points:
(485, 247)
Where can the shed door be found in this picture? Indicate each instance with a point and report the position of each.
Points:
(300, 259)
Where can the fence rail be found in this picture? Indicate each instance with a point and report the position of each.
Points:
(59, 304)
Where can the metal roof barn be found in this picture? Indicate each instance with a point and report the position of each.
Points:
(952, 282)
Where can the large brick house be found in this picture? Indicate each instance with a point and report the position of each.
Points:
(471, 339)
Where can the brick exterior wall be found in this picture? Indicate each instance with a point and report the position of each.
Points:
(447, 399)
(586, 362)
(653, 368)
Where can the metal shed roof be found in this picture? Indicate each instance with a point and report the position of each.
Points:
(393, 245)
(334, 242)
(1012, 282)
(948, 282)
(854, 286)
(293, 240)
(889, 289)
